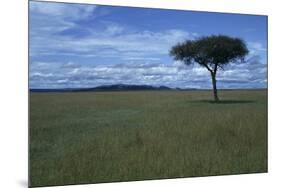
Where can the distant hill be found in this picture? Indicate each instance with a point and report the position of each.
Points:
(116, 87)
(121, 87)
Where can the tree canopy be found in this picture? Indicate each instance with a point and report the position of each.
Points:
(212, 52)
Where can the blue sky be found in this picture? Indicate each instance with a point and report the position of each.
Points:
(76, 45)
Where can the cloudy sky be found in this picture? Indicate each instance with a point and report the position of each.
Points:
(74, 46)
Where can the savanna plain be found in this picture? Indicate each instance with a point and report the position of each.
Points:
(93, 137)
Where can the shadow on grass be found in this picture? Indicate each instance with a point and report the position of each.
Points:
(227, 101)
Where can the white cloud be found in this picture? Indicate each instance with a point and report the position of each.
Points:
(141, 58)
(62, 10)
(113, 29)
(129, 45)
(49, 20)
(256, 48)
(62, 81)
(253, 74)
(38, 74)
(53, 32)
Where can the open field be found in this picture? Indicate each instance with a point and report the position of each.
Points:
(90, 137)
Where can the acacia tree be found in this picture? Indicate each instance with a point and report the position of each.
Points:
(212, 52)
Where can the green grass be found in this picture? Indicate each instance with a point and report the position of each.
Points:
(92, 137)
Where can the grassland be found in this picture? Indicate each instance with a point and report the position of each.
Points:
(92, 137)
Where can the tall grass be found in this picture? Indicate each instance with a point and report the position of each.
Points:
(122, 136)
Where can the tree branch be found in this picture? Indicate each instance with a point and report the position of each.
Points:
(209, 69)
(220, 67)
(216, 68)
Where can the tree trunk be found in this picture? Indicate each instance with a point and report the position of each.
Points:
(214, 81)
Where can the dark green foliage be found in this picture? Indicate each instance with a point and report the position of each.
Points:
(211, 52)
